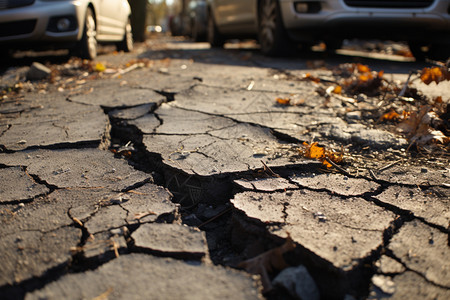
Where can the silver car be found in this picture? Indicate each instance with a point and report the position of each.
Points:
(425, 24)
(77, 25)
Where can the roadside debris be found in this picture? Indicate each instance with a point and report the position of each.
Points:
(268, 262)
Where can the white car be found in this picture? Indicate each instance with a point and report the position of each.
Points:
(78, 25)
(424, 24)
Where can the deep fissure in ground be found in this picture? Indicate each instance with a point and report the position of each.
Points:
(230, 238)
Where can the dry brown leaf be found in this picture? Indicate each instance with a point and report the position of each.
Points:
(418, 127)
(268, 262)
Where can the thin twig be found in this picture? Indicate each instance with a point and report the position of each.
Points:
(389, 165)
(266, 168)
(337, 167)
(372, 174)
(405, 86)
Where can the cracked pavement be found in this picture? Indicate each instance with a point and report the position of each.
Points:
(157, 183)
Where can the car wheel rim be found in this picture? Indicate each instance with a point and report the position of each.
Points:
(91, 35)
(268, 23)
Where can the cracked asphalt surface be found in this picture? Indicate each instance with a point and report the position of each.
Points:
(157, 183)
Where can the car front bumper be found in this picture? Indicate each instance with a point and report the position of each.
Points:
(37, 22)
(337, 20)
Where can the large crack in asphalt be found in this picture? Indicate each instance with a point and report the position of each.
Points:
(356, 282)
(210, 203)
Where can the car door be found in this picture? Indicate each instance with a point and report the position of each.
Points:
(236, 15)
(111, 19)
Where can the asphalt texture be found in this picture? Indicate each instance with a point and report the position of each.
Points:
(157, 176)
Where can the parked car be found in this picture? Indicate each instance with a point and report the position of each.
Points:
(424, 24)
(78, 25)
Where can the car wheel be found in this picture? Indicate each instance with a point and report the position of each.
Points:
(126, 44)
(272, 34)
(195, 32)
(87, 46)
(215, 39)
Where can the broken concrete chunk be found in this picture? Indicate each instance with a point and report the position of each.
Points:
(336, 183)
(425, 250)
(384, 283)
(146, 277)
(269, 184)
(29, 254)
(148, 203)
(38, 71)
(132, 112)
(360, 134)
(407, 285)
(169, 83)
(341, 231)
(171, 240)
(106, 218)
(54, 121)
(146, 124)
(17, 185)
(413, 175)
(117, 96)
(85, 168)
(104, 246)
(228, 150)
(431, 205)
(188, 122)
(387, 265)
(298, 283)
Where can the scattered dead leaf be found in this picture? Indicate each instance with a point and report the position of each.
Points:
(313, 151)
(283, 101)
(310, 77)
(390, 115)
(435, 74)
(420, 127)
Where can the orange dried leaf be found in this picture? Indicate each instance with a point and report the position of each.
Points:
(311, 77)
(391, 115)
(283, 101)
(434, 74)
(363, 68)
(313, 151)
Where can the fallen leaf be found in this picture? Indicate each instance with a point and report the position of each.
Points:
(390, 115)
(418, 127)
(99, 67)
(283, 101)
(314, 151)
(434, 74)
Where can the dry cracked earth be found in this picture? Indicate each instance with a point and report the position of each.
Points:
(160, 182)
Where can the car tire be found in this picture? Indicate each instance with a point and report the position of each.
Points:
(126, 44)
(87, 46)
(195, 32)
(214, 37)
(272, 35)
